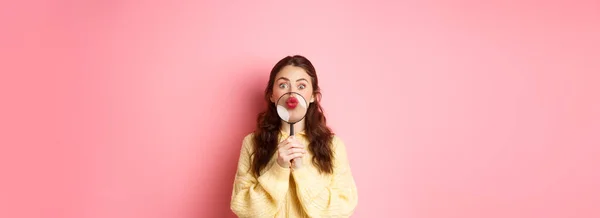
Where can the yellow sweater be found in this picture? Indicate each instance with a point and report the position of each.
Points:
(282, 192)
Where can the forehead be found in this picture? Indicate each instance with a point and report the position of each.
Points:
(293, 73)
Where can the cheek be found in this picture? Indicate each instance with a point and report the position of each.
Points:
(307, 94)
(276, 94)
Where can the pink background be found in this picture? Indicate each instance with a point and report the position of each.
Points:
(448, 109)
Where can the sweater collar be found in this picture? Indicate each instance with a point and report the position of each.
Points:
(285, 134)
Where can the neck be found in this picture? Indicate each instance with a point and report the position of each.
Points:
(298, 127)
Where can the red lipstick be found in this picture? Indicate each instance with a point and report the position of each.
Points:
(292, 102)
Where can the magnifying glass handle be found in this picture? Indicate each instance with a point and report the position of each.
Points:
(291, 129)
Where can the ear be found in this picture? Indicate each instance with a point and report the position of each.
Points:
(312, 98)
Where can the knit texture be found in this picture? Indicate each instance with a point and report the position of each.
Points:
(283, 192)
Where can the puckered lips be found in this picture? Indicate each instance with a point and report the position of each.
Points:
(292, 102)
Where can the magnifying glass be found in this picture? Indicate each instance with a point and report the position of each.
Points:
(291, 108)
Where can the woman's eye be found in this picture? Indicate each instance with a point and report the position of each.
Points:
(283, 85)
(302, 86)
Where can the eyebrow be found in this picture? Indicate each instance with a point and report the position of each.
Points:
(285, 78)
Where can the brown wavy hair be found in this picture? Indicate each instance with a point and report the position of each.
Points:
(268, 125)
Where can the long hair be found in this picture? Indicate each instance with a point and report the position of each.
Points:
(268, 125)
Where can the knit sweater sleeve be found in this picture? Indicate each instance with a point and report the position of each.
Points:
(259, 196)
(336, 197)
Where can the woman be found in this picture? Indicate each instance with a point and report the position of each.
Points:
(303, 175)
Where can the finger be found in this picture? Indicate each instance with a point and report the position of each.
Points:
(296, 155)
(284, 143)
(293, 156)
(296, 150)
(282, 151)
(295, 140)
(292, 145)
(295, 145)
